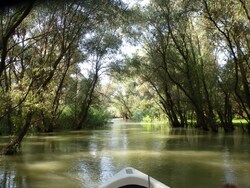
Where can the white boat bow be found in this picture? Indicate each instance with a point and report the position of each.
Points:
(131, 178)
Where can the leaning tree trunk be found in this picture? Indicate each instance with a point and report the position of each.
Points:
(17, 18)
(171, 106)
(14, 145)
(86, 103)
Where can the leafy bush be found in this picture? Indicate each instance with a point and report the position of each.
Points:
(147, 119)
(97, 116)
(66, 119)
(137, 116)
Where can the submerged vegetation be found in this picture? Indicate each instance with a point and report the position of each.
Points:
(192, 68)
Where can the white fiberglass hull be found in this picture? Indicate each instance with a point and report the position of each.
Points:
(130, 177)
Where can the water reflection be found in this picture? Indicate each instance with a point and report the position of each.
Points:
(228, 171)
(178, 157)
(7, 176)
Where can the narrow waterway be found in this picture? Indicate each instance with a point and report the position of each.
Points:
(179, 158)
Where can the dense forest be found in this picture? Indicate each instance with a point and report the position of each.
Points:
(192, 66)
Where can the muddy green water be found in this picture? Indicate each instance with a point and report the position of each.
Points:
(179, 158)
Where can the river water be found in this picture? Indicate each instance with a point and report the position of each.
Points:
(177, 157)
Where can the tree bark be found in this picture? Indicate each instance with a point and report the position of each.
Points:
(86, 103)
(14, 146)
(233, 41)
(6, 36)
(201, 120)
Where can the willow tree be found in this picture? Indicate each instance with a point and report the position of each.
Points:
(42, 44)
(44, 48)
(100, 47)
(176, 57)
(230, 23)
(156, 67)
(11, 18)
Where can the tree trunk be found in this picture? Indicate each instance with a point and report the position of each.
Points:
(201, 121)
(14, 145)
(248, 127)
(11, 29)
(86, 104)
(172, 116)
(226, 116)
(171, 107)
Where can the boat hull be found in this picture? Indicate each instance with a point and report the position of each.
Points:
(131, 178)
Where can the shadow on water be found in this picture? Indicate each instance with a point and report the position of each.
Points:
(177, 157)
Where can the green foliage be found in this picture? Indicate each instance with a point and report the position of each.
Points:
(42, 46)
(3, 127)
(133, 98)
(53, 56)
(138, 115)
(97, 117)
(66, 119)
(147, 119)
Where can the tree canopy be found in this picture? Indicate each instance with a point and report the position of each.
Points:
(193, 66)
